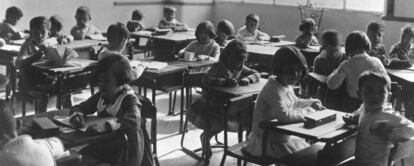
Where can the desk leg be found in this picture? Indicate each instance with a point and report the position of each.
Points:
(154, 81)
(182, 110)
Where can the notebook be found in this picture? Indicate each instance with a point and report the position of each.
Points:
(154, 65)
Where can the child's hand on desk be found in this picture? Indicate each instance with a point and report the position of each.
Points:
(317, 105)
(96, 129)
(350, 119)
(77, 119)
(244, 82)
(230, 82)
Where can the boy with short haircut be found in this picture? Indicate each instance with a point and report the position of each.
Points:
(401, 50)
(375, 32)
(83, 29)
(169, 21)
(136, 23)
(356, 45)
(23, 150)
(56, 26)
(250, 31)
(8, 30)
(379, 126)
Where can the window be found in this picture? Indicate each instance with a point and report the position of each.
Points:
(360, 5)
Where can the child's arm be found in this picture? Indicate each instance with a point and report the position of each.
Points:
(212, 77)
(54, 145)
(263, 36)
(88, 106)
(317, 65)
(283, 113)
(215, 54)
(336, 78)
(25, 58)
(252, 75)
(130, 117)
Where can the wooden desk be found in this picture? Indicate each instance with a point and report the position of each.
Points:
(73, 65)
(85, 44)
(192, 64)
(250, 89)
(72, 139)
(7, 55)
(402, 76)
(330, 132)
(164, 47)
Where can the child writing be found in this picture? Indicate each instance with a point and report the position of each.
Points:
(307, 38)
(356, 46)
(331, 56)
(32, 50)
(136, 23)
(23, 150)
(225, 31)
(250, 31)
(277, 100)
(118, 36)
(56, 26)
(169, 21)
(375, 32)
(114, 99)
(83, 29)
(379, 126)
(8, 30)
(228, 71)
(401, 50)
(205, 44)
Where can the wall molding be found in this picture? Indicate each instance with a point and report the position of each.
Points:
(161, 2)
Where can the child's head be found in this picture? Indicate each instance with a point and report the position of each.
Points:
(117, 36)
(373, 88)
(55, 25)
(407, 35)
(137, 15)
(83, 16)
(234, 55)
(252, 22)
(169, 13)
(331, 40)
(375, 32)
(39, 29)
(205, 32)
(225, 29)
(308, 26)
(111, 74)
(357, 42)
(289, 65)
(13, 15)
(7, 124)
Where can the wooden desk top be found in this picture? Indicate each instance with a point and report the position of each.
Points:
(192, 64)
(261, 49)
(72, 65)
(10, 48)
(325, 133)
(166, 70)
(177, 36)
(319, 77)
(71, 139)
(80, 44)
(240, 90)
(405, 75)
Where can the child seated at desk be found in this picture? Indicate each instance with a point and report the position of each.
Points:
(356, 45)
(375, 32)
(205, 44)
(56, 26)
(229, 71)
(114, 99)
(169, 21)
(8, 30)
(32, 50)
(23, 150)
(250, 32)
(307, 38)
(136, 23)
(225, 32)
(83, 29)
(331, 56)
(277, 100)
(118, 36)
(401, 50)
(379, 126)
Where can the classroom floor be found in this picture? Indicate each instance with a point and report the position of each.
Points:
(169, 152)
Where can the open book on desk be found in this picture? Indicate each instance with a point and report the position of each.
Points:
(99, 37)
(154, 65)
(89, 120)
(59, 54)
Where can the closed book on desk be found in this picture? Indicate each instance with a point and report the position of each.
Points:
(319, 118)
(45, 127)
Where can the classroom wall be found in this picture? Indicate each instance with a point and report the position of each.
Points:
(275, 19)
(286, 19)
(103, 11)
